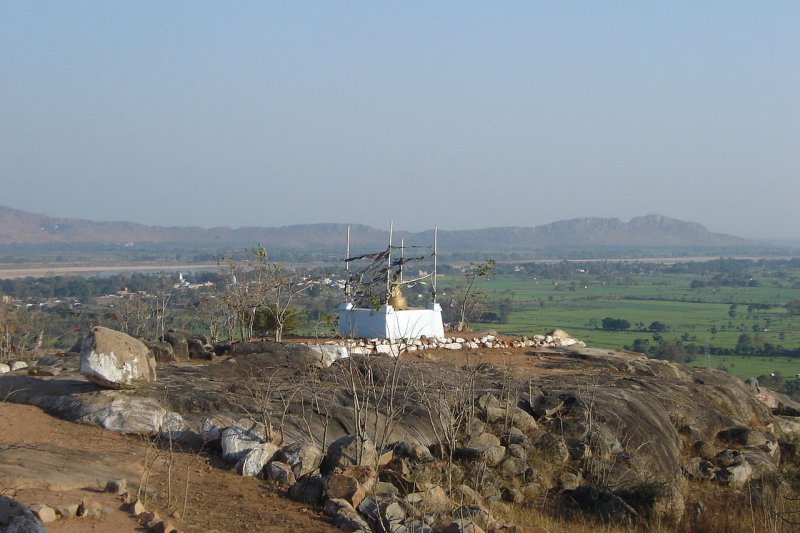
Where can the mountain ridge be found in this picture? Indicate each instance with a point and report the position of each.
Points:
(22, 227)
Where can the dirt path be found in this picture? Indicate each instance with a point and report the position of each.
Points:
(48, 460)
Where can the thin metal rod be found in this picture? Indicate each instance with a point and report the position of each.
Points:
(389, 264)
(402, 256)
(435, 259)
(347, 287)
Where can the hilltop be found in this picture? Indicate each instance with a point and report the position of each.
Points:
(651, 232)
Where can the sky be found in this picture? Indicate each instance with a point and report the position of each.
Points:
(457, 113)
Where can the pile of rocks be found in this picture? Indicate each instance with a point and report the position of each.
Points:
(32, 519)
(346, 482)
(394, 347)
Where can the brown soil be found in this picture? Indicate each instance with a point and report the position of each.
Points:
(45, 460)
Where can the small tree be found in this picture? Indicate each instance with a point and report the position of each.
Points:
(466, 300)
(615, 324)
(265, 322)
(278, 288)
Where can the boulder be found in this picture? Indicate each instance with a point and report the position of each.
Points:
(4, 368)
(179, 343)
(463, 525)
(344, 487)
(127, 414)
(280, 474)
(345, 516)
(416, 452)
(240, 438)
(115, 360)
(44, 513)
(741, 436)
(303, 458)
(162, 351)
(17, 365)
(211, 428)
(383, 514)
(433, 500)
(348, 451)
(307, 489)
(253, 462)
(328, 353)
(553, 447)
(598, 502)
(699, 468)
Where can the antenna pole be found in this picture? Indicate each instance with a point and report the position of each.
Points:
(402, 256)
(347, 267)
(389, 264)
(435, 253)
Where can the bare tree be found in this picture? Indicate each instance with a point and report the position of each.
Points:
(278, 288)
(466, 300)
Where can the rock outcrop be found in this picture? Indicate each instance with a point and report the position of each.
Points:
(116, 360)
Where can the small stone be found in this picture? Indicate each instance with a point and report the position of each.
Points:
(44, 513)
(135, 508)
(148, 518)
(163, 526)
(117, 486)
(68, 510)
(90, 509)
(18, 365)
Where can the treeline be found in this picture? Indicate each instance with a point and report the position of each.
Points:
(682, 351)
(724, 271)
(87, 288)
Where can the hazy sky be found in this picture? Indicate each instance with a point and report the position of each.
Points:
(465, 114)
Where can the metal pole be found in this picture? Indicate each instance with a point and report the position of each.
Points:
(402, 256)
(347, 288)
(435, 254)
(389, 264)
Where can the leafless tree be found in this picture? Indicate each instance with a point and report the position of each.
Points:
(466, 299)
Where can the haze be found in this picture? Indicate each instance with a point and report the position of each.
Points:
(461, 114)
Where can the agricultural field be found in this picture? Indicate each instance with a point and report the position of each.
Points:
(691, 308)
(751, 366)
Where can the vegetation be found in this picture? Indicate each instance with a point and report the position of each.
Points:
(693, 311)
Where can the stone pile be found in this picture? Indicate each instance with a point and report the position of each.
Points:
(395, 347)
(32, 519)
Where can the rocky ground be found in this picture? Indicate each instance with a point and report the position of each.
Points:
(468, 438)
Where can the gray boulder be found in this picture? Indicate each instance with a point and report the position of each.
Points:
(179, 343)
(253, 462)
(116, 360)
(162, 351)
(302, 458)
(279, 473)
(345, 516)
(349, 451)
(307, 489)
(238, 439)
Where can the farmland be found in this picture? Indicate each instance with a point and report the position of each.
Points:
(702, 310)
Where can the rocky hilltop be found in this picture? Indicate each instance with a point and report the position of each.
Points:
(19, 227)
(453, 441)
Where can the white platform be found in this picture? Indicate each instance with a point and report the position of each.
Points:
(387, 323)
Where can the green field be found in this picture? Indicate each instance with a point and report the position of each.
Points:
(747, 367)
(697, 317)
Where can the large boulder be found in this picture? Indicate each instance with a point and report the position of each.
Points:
(162, 351)
(115, 360)
(349, 451)
(179, 343)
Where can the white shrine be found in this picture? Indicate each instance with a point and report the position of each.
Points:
(384, 314)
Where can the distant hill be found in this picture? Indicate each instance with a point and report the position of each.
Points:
(650, 232)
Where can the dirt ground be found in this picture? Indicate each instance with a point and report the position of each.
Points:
(47, 460)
